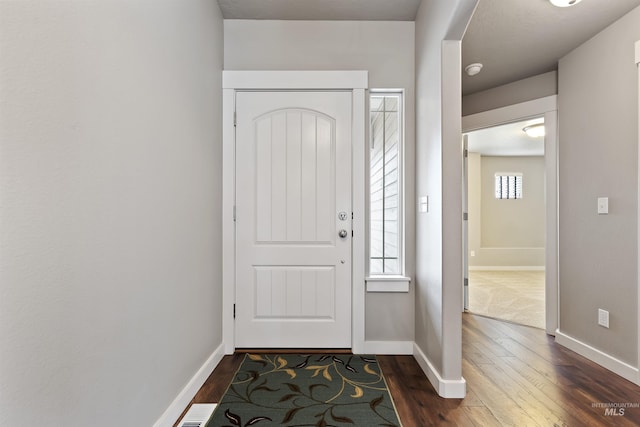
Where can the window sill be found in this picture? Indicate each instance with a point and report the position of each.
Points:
(388, 284)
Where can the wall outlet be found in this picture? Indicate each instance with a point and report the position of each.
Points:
(473, 253)
(603, 318)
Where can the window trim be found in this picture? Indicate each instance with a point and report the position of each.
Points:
(373, 277)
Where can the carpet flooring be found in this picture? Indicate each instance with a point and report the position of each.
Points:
(515, 296)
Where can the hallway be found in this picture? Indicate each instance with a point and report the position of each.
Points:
(516, 375)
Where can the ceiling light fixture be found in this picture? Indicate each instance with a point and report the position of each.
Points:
(473, 69)
(564, 3)
(534, 131)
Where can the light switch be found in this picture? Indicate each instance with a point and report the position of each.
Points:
(603, 205)
(423, 204)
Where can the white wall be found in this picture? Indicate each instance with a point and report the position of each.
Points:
(386, 51)
(439, 29)
(598, 152)
(109, 217)
(507, 232)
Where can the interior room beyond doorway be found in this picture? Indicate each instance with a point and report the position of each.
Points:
(506, 222)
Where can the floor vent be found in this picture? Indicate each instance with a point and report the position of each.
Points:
(197, 415)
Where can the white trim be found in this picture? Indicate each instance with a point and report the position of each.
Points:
(402, 209)
(359, 190)
(388, 283)
(267, 80)
(551, 254)
(388, 347)
(228, 222)
(619, 367)
(546, 107)
(506, 268)
(175, 409)
(510, 113)
(452, 389)
(401, 286)
(355, 81)
(388, 278)
(637, 45)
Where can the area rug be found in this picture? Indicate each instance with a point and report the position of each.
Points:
(317, 390)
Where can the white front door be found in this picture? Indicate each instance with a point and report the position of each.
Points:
(293, 219)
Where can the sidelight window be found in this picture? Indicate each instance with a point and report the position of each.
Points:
(385, 197)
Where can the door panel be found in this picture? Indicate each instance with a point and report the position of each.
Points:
(293, 272)
(290, 292)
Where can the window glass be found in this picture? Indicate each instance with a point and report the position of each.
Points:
(509, 186)
(385, 184)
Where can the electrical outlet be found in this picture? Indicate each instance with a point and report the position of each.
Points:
(603, 318)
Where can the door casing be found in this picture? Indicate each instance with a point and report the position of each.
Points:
(547, 108)
(234, 81)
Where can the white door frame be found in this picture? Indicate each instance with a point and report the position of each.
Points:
(637, 50)
(233, 81)
(546, 107)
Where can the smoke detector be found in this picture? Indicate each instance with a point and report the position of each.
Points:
(473, 69)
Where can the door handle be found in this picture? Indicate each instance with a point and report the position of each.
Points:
(343, 233)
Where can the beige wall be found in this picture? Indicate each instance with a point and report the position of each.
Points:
(438, 129)
(506, 233)
(386, 51)
(512, 93)
(110, 244)
(598, 152)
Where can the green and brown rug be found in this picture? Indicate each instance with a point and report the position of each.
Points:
(306, 390)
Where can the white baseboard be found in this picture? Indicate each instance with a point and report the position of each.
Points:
(603, 359)
(388, 347)
(179, 404)
(507, 268)
(452, 389)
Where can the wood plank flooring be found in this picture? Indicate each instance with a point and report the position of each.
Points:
(516, 376)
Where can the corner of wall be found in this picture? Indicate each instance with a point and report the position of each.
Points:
(450, 389)
(180, 403)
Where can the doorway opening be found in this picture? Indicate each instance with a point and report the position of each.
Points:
(547, 108)
(505, 238)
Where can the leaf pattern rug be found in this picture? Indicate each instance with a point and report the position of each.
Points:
(318, 390)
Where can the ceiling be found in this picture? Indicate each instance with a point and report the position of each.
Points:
(506, 140)
(519, 39)
(514, 39)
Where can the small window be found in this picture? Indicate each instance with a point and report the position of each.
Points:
(385, 178)
(508, 186)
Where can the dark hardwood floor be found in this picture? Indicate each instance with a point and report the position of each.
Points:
(516, 376)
